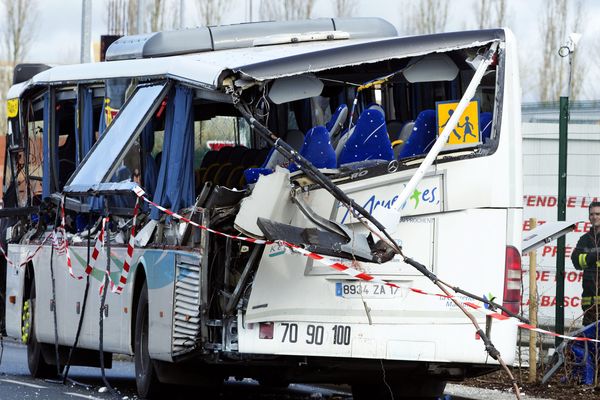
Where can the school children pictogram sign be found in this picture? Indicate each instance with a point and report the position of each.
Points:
(467, 129)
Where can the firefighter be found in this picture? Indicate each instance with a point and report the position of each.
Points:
(586, 257)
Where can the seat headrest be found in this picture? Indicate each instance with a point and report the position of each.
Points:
(485, 125)
(336, 123)
(422, 136)
(375, 106)
(317, 148)
(368, 141)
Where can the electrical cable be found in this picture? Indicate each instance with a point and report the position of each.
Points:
(83, 307)
(54, 307)
(310, 170)
(1, 348)
(434, 278)
(489, 346)
(102, 310)
(357, 211)
(307, 167)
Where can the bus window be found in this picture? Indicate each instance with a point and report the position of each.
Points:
(26, 161)
(64, 126)
(112, 146)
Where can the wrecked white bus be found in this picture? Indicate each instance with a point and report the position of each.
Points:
(283, 255)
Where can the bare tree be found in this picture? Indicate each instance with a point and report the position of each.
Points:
(552, 74)
(132, 17)
(345, 8)
(211, 11)
(425, 16)
(19, 28)
(157, 15)
(117, 17)
(286, 9)
(490, 13)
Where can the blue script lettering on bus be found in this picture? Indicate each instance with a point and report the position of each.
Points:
(417, 199)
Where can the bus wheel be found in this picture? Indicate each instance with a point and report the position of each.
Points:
(148, 385)
(38, 367)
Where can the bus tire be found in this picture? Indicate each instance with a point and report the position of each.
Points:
(38, 367)
(146, 379)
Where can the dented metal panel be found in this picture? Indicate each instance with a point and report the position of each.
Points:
(207, 69)
(369, 52)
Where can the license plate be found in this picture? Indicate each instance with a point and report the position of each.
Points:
(365, 290)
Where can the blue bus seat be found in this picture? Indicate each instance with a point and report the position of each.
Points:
(317, 148)
(337, 121)
(485, 126)
(422, 136)
(368, 141)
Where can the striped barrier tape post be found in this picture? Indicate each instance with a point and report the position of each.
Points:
(129, 256)
(362, 275)
(66, 240)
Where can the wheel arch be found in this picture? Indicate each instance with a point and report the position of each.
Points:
(137, 283)
(28, 280)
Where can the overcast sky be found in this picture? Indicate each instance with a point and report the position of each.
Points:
(58, 27)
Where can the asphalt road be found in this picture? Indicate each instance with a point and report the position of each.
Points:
(16, 384)
(87, 383)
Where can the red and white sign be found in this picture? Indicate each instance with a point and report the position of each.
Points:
(544, 208)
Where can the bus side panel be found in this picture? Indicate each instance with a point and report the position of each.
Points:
(469, 252)
(456, 343)
(15, 282)
(160, 273)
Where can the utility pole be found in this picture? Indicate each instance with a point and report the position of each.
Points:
(532, 309)
(86, 27)
(181, 14)
(563, 134)
(140, 17)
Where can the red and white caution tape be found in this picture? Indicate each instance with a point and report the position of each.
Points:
(97, 247)
(118, 288)
(128, 256)
(353, 272)
(65, 239)
(59, 240)
(362, 275)
(140, 194)
(29, 257)
(370, 278)
(8, 262)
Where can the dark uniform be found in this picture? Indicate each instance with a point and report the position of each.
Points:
(586, 257)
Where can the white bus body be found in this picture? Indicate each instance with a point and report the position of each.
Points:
(203, 307)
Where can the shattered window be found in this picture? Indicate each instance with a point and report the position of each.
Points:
(109, 153)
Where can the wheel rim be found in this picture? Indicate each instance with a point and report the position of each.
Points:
(26, 322)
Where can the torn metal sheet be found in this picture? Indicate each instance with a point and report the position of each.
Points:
(368, 52)
(270, 199)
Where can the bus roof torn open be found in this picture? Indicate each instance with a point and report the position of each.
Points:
(259, 188)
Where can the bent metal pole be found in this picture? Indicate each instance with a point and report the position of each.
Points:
(441, 140)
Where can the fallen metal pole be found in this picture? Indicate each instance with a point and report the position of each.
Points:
(443, 138)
